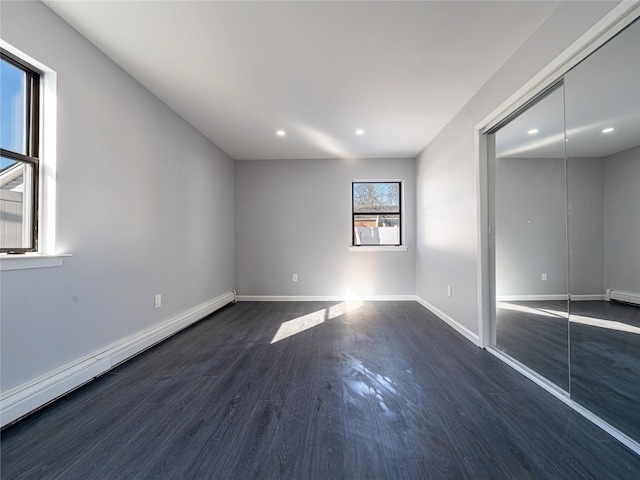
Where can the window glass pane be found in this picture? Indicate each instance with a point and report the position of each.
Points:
(15, 204)
(13, 104)
(376, 197)
(6, 163)
(376, 229)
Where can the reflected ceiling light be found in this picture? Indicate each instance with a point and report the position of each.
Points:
(359, 132)
(533, 131)
(607, 130)
(281, 133)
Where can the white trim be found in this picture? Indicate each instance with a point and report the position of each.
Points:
(48, 161)
(29, 260)
(560, 296)
(483, 239)
(382, 248)
(377, 248)
(606, 28)
(326, 298)
(451, 322)
(587, 298)
(531, 298)
(563, 396)
(24, 399)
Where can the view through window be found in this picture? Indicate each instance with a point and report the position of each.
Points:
(19, 155)
(377, 216)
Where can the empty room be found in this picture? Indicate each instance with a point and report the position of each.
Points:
(320, 239)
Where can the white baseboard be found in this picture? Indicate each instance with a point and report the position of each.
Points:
(560, 296)
(325, 298)
(587, 298)
(28, 397)
(473, 337)
(531, 298)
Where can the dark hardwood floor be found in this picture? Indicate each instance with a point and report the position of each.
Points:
(605, 362)
(383, 391)
(601, 361)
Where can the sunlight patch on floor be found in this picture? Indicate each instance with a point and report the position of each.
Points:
(292, 327)
(608, 324)
(305, 322)
(535, 311)
(342, 308)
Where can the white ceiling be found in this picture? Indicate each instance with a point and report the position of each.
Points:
(238, 70)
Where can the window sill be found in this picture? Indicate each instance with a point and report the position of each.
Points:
(377, 248)
(30, 260)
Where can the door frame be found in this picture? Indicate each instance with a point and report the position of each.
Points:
(615, 21)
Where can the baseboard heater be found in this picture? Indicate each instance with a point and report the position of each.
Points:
(620, 296)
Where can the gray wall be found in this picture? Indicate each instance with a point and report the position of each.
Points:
(145, 205)
(447, 194)
(530, 226)
(295, 217)
(604, 224)
(585, 184)
(622, 221)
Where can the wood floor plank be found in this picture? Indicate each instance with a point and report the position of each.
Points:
(379, 390)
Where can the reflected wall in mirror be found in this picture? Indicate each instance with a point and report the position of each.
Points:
(530, 239)
(602, 110)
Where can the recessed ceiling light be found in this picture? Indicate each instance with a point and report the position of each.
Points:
(533, 131)
(281, 133)
(608, 130)
(359, 132)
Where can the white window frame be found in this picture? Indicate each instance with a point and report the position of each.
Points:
(403, 247)
(46, 255)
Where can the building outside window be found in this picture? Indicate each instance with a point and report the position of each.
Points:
(377, 213)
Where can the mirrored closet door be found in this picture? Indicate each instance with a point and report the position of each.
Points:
(565, 206)
(530, 225)
(602, 111)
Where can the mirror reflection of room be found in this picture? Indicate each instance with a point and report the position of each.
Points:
(603, 185)
(531, 239)
(566, 188)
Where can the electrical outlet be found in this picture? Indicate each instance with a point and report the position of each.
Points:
(449, 291)
(294, 277)
(544, 277)
(157, 301)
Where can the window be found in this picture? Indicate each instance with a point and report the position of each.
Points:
(377, 217)
(19, 155)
